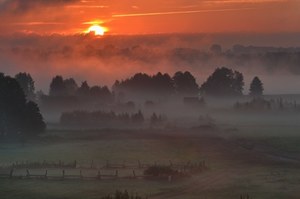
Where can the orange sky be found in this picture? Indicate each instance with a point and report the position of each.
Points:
(155, 16)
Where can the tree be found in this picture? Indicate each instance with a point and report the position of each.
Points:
(144, 85)
(12, 103)
(154, 119)
(57, 86)
(84, 90)
(162, 84)
(27, 84)
(216, 49)
(34, 123)
(17, 116)
(70, 86)
(223, 82)
(256, 88)
(137, 117)
(102, 94)
(185, 83)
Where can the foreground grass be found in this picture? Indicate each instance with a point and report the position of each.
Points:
(233, 171)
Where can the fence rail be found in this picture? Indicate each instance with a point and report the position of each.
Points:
(109, 171)
(63, 176)
(74, 165)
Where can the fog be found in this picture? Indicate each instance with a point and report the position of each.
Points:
(218, 138)
(102, 60)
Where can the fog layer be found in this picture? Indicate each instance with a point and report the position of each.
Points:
(102, 60)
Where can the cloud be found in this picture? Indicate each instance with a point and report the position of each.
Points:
(244, 1)
(179, 12)
(22, 6)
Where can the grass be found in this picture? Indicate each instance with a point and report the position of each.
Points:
(233, 170)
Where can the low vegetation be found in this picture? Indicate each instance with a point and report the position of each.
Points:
(123, 195)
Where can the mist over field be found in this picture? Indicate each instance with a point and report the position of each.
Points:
(102, 60)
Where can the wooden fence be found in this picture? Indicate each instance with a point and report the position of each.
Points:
(65, 176)
(92, 165)
(73, 171)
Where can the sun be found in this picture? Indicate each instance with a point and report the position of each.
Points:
(97, 30)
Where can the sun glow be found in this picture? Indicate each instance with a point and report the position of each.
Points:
(97, 30)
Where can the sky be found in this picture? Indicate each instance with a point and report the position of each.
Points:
(148, 17)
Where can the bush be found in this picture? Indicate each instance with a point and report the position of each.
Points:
(159, 171)
(122, 195)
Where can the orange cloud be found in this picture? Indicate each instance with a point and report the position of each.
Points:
(133, 16)
(179, 12)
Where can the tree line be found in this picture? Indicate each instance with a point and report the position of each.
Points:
(223, 82)
(65, 94)
(60, 87)
(101, 118)
(98, 118)
(182, 83)
(20, 115)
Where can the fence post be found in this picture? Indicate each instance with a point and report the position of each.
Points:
(133, 173)
(140, 166)
(46, 173)
(99, 175)
(92, 164)
(11, 173)
(28, 174)
(171, 164)
(63, 174)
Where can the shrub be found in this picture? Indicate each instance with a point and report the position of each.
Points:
(159, 171)
(122, 195)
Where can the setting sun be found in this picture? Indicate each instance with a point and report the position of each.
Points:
(97, 30)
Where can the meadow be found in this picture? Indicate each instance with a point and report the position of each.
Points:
(259, 160)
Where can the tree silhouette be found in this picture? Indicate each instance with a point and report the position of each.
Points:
(223, 82)
(185, 83)
(256, 88)
(12, 103)
(70, 86)
(27, 84)
(163, 84)
(57, 86)
(101, 94)
(142, 84)
(34, 123)
(216, 49)
(138, 117)
(84, 90)
(17, 116)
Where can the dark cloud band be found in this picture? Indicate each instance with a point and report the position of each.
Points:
(21, 6)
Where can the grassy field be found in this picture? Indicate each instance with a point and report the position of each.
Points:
(263, 165)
